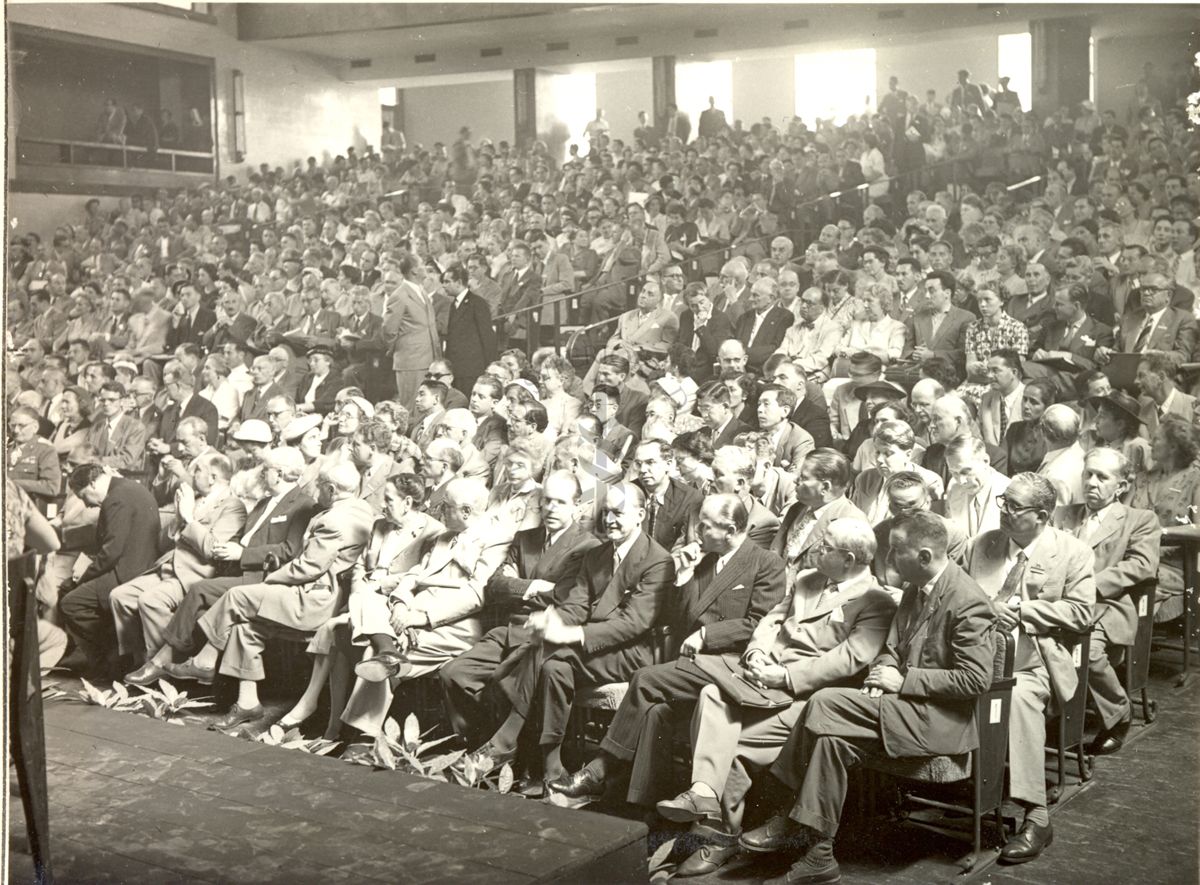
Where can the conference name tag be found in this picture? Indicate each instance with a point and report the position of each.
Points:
(1143, 606)
(995, 711)
(275, 519)
(1077, 655)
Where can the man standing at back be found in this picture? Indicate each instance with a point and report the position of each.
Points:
(410, 331)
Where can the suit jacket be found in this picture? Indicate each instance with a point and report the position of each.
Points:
(947, 341)
(369, 328)
(943, 646)
(934, 460)
(374, 479)
(220, 516)
(516, 292)
(528, 560)
(1182, 405)
(835, 509)
(470, 340)
(410, 329)
(761, 527)
(419, 536)
(558, 279)
(770, 334)
(732, 308)
(254, 403)
(728, 605)
(793, 446)
(704, 343)
(279, 536)
(631, 411)
(239, 330)
(1081, 345)
(125, 448)
(1059, 593)
(989, 414)
(469, 559)
(1126, 551)
(151, 418)
(729, 432)
(679, 501)
(188, 332)
(127, 533)
(332, 544)
(834, 641)
(1033, 317)
(35, 468)
(490, 437)
(618, 609)
(324, 324)
(956, 546)
(1176, 331)
(959, 505)
(148, 332)
(197, 406)
(617, 442)
(814, 419)
(325, 394)
(659, 327)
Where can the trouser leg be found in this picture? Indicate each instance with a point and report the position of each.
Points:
(155, 609)
(243, 651)
(1027, 736)
(463, 682)
(676, 683)
(125, 602)
(558, 695)
(181, 632)
(87, 618)
(1106, 690)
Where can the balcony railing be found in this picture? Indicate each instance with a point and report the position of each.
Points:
(59, 151)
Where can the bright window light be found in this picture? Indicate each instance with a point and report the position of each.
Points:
(573, 102)
(1015, 54)
(695, 81)
(834, 85)
(1092, 69)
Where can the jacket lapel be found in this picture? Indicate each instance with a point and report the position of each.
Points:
(1114, 522)
(729, 575)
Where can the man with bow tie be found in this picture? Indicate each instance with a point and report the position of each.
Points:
(812, 341)
(722, 596)
(1041, 584)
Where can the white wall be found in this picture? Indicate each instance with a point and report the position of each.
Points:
(762, 87)
(296, 105)
(622, 94)
(42, 213)
(436, 113)
(934, 64)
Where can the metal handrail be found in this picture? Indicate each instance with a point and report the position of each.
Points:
(68, 148)
(860, 189)
(111, 146)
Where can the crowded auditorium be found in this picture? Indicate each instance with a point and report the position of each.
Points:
(562, 443)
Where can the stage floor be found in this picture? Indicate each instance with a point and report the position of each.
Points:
(137, 800)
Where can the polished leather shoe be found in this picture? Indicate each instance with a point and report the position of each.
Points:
(189, 672)
(582, 784)
(777, 834)
(1027, 844)
(688, 807)
(707, 859)
(382, 666)
(1110, 740)
(237, 716)
(530, 787)
(147, 674)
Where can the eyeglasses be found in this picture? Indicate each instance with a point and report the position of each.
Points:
(824, 547)
(1008, 507)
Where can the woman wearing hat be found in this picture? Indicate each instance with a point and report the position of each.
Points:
(1118, 426)
(307, 434)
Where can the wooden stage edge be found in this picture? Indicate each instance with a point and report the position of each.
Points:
(184, 805)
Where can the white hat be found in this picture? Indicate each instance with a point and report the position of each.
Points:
(254, 430)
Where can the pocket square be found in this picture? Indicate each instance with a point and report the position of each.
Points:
(275, 519)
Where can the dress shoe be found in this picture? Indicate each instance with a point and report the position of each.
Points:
(583, 784)
(530, 787)
(189, 672)
(777, 834)
(147, 674)
(707, 859)
(1027, 844)
(382, 666)
(688, 807)
(237, 716)
(1110, 740)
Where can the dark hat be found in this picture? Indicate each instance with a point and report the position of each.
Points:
(323, 349)
(884, 387)
(1119, 400)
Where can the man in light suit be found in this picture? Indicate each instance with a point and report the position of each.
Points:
(119, 439)
(720, 600)
(918, 699)
(558, 280)
(207, 514)
(790, 442)
(970, 502)
(649, 323)
(941, 328)
(317, 321)
(820, 498)
(148, 325)
(762, 328)
(369, 454)
(1062, 464)
(600, 633)
(439, 600)
(1041, 581)
(1156, 374)
(302, 594)
(1000, 405)
(1156, 325)
(410, 331)
(1125, 543)
(539, 569)
(830, 624)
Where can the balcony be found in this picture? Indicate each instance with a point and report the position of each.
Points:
(61, 165)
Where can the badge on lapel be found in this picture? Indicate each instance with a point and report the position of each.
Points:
(1035, 580)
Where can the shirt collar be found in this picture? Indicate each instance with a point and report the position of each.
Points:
(1100, 514)
(1013, 549)
(928, 586)
(1166, 404)
(623, 549)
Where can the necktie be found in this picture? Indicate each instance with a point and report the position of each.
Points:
(1143, 337)
(651, 516)
(975, 514)
(1015, 578)
(103, 447)
(1003, 418)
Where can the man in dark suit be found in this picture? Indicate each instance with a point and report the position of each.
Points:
(762, 327)
(940, 329)
(470, 338)
(233, 323)
(702, 329)
(917, 699)
(950, 419)
(1072, 335)
(719, 603)
(809, 414)
(126, 546)
(540, 569)
(733, 469)
(360, 340)
(317, 390)
(712, 402)
(144, 390)
(669, 501)
(180, 387)
(601, 633)
(520, 283)
(1125, 544)
(254, 403)
(820, 498)
(274, 534)
(190, 320)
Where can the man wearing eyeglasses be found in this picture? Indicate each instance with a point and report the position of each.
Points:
(1156, 325)
(1042, 585)
(119, 439)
